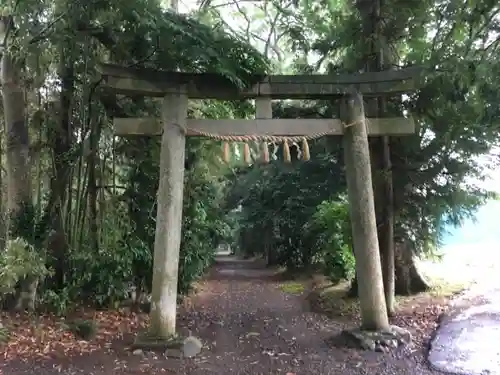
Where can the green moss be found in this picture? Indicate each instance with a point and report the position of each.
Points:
(292, 288)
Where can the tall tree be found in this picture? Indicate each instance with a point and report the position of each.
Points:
(375, 58)
(83, 171)
(18, 148)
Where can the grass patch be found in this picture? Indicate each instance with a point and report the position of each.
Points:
(441, 292)
(293, 287)
(333, 300)
(442, 288)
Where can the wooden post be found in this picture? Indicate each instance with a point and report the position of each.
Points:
(362, 211)
(169, 216)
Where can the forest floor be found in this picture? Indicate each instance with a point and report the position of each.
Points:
(250, 320)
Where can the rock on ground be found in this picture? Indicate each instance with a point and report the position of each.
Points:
(379, 341)
(191, 346)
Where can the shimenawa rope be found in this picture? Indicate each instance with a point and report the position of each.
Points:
(302, 152)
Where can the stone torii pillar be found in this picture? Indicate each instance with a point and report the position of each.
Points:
(362, 213)
(169, 214)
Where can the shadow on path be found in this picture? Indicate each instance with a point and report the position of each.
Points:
(232, 268)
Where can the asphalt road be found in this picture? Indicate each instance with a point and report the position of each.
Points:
(467, 341)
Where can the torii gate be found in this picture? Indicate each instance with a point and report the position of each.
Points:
(176, 88)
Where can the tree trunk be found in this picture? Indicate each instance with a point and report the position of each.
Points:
(169, 217)
(60, 139)
(3, 196)
(353, 289)
(384, 207)
(375, 59)
(18, 173)
(386, 231)
(270, 249)
(18, 165)
(362, 213)
(386, 59)
(408, 278)
(92, 183)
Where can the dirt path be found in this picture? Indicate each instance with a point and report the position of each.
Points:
(252, 327)
(249, 325)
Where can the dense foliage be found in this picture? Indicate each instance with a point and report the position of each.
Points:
(98, 205)
(92, 217)
(455, 112)
(332, 230)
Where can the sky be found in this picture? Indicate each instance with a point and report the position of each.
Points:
(493, 183)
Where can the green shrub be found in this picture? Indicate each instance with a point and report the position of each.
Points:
(339, 264)
(19, 261)
(4, 334)
(59, 302)
(334, 237)
(204, 223)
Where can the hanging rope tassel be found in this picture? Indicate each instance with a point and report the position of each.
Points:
(305, 150)
(246, 154)
(269, 140)
(275, 151)
(226, 152)
(265, 152)
(298, 149)
(286, 151)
